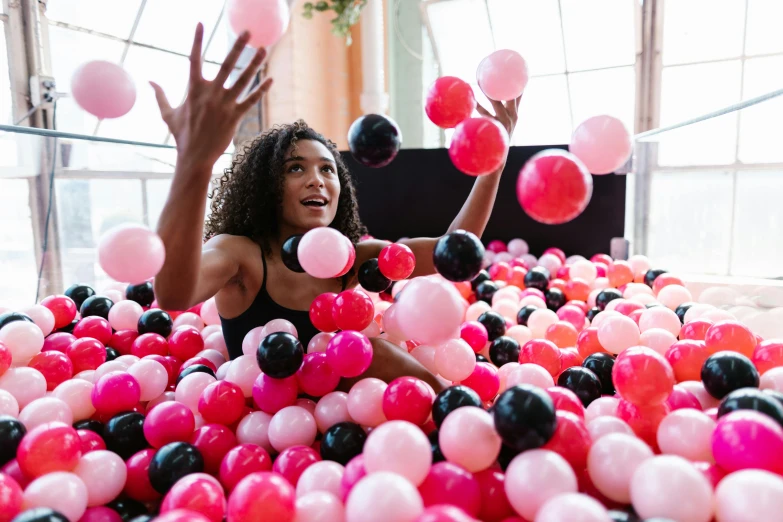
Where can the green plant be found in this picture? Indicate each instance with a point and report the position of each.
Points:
(346, 14)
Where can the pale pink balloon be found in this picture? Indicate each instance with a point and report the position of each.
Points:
(87, 375)
(639, 264)
(551, 262)
(540, 320)
(602, 426)
(319, 506)
(618, 333)
(43, 410)
(530, 260)
(280, 325)
(8, 404)
(399, 286)
(209, 313)
(127, 360)
(331, 409)
(323, 252)
(572, 507)
(104, 474)
(383, 497)
(688, 433)
(535, 476)
(717, 315)
(706, 400)
(507, 309)
(61, 491)
(519, 333)
(672, 296)
(400, 447)
(612, 462)
(502, 75)
(42, 317)
(643, 298)
(217, 342)
(243, 372)
(163, 397)
(591, 300)
(517, 247)
(200, 422)
(510, 293)
(658, 339)
(292, 426)
(319, 342)
(583, 269)
(467, 437)
(476, 309)
(602, 406)
(503, 373)
(426, 356)
(189, 319)
(151, 376)
(632, 289)
(455, 360)
(125, 315)
(772, 379)
(307, 404)
(429, 311)
(532, 300)
(77, 394)
(602, 143)
(504, 257)
(529, 373)
(373, 330)
(24, 339)
(254, 429)
(365, 402)
(108, 367)
(106, 90)
(115, 296)
(25, 384)
(599, 284)
(325, 475)
(696, 311)
(189, 389)
(214, 356)
(265, 20)
(599, 319)
(222, 370)
(670, 486)
(131, 253)
(750, 495)
(660, 317)
(209, 330)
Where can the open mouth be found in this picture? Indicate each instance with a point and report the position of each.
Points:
(315, 201)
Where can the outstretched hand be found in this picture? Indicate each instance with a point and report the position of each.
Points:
(205, 123)
(505, 113)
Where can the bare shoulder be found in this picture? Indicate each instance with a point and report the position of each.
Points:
(240, 252)
(369, 249)
(230, 245)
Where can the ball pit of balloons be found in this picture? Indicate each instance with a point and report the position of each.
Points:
(574, 389)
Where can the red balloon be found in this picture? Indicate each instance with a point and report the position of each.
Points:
(91, 441)
(543, 353)
(409, 399)
(696, 329)
(62, 307)
(54, 446)
(292, 462)
(577, 290)
(643, 420)
(59, 341)
(484, 380)
(571, 439)
(10, 497)
(478, 146)
(729, 335)
(686, 358)
(213, 441)
(321, 312)
(197, 492)
(315, 377)
(181, 515)
(168, 422)
(55, 366)
(642, 376)
(450, 101)
(240, 462)
(396, 261)
(149, 344)
(554, 187)
(681, 398)
(86, 354)
(587, 342)
(221, 402)
(447, 483)
(570, 357)
(185, 342)
(352, 310)
(122, 341)
(566, 400)
(170, 363)
(494, 502)
(198, 360)
(138, 485)
(262, 497)
(767, 355)
(13, 470)
(93, 326)
(499, 271)
(713, 472)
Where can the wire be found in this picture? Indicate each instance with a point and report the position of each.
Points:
(27, 114)
(398, 33)
(45, 243)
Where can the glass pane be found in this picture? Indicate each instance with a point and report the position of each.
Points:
(761, 126)
(764, 35)
(599, 34)
(611, 91)
(697, 30)
(18, 270)
(221, 42)
(690, 91)
(462, 36)
(114, 17)
(532, 28)
(758, 245)
(157, 192)
(690, 221)
(170, 24)
(5, 81)
(544, 113)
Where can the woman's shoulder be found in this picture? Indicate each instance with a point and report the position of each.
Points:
(231, 242)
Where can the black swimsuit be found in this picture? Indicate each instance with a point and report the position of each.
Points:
(262, 310)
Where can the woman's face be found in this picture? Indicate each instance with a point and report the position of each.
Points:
(311, 187)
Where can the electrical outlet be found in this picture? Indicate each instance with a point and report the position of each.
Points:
(43, 91)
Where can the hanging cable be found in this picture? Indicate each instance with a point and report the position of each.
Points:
(398, 33)
(45, 242)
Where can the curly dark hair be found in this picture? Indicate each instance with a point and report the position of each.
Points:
(246, 199)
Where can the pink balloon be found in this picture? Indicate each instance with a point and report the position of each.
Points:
(272, 395)
(745, 439)
(265, 20)
(349, 353)
(529, 373)
(104, 474)
(252, 340)
(210, 328)
(601, 426)
(131, 253)
(280, 325)
(100, 514)
(319, 506)
(430, 311)
(749, 496)
(383, 497)
(319, 342)
(151, 376)
(323, 252)
(189, 389)
(306, 404)
(687, 433)
(254, 429)
(671, 487)
(189, 319)
(612, 461)
(502, 75)
(24, 339)
(706, 400)
(365, 402)
(214, 356)
(468, 438)
(292, 426)
(400, 447)
(8, 404)
(243, 372)
(618, 333)
(535, 476)
(42, 317)
(77, 394)
(660, 317)
(772, 379)
(167, 396)
(125, 315)
(572, 507)
(25, 384)
(448, 483)
(602, 143)
(603, 406)
(455, 360)
(325, 475)
(61, 491)
(105, 90)
(475, 310)
(658, 339)
(331, 409)
(209, 314)
(44, 410)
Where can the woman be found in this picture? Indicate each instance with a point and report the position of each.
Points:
(285, 182)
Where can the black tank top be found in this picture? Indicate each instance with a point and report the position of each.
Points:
(262, 310)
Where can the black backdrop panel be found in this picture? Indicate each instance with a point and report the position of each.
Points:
(420, 193)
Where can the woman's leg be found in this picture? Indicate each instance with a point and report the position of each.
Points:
(390, 362)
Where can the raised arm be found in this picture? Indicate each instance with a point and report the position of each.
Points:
(203, 127)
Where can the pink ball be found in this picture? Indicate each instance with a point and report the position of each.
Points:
(100, 514)
(24, 339)
(189, 319)
(602, 143)
(189, 389)
(484, 380)
(307, 404)
(129, 252)
(687, 433)
(660, 317)
(42, 317)
(104, 474)
(349, 353)
(468, 438)
(447, 483)
(125, 315)
(323, 252)
(25, 384)
(293, 461)
(319, 506)
(399, 447)
(602, 406)
(319, 342)
(181, 515)
(243, 372)
(266, 21)
(353, 473)
(426, 356)
(242, 460)
(324, 476)
(681, 398)
(221, 402)
(502, 75)
(61, 491)
(8, 404)
(408, 398)
(612, 461)
(429, 311)
(601, 426)
(572, 507)
(209, 314)
(365, 402)
(331, 409)
(77, 394)
(475, 334)
(169, 422)
(44, 410)
(658, 339)
(455, 360)
(316, 377)
(106, 90)
(115, 392)
(151, 376)
(292, 426)
(618, 333)
(280, 325)
(530, 373)
(745, 439)
(535, 476)
(749, 496)
(197, 492)
(383, 497)
(272, 395)
(669, 486)
(696, 388)
(254, 429)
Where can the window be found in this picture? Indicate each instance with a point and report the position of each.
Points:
(18, 271)
(6, 100)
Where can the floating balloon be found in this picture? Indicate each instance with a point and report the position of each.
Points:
(323, 252)
(450, 101)
(502, 75)
(131, 253)
(374, 140)
(458, 256)
(265, 20)
(602, 143)
(478, 146)
(105, 90)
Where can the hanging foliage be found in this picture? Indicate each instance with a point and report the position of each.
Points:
(346, 14)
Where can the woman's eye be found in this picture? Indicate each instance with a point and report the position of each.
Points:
(295, 168)
(328, 168)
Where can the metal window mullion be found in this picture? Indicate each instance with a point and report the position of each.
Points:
(565, 63)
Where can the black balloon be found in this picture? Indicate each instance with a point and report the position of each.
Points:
(10, 317)
(506, 455)
(127, 508)
(11, 433)
(724, 372)
(342, 442)
(124, 434)
(437, 454)
(290, 255)
(682, 309)
(96, 305)
(591, 313)
(651, 275)
(40, 514)
(155, 321)
(458, 256)
(601, 364)
(504, 350)
(584, 383)
(141, 293)
(111, 353)
(374, 140)
(652, 305)
(537, 277)
(172, 462)
(494, 323)
(751, 399)
(78, 294)
(775, 394)
(615, 515)
(524, 314)
(89, 424)
(482, 276)
(485, 291)
(452, 398)
(371, 278)
(606, 296)
(524, 417)
(68, 328)
(143, 518)
(280, 355)
(480, 358)
(555, 298)
(195, 368)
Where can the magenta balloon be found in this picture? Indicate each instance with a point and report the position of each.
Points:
(266, 20)
(349, 353)
(502, 75)
(131, 253)
(105, 90)
(602, 143)
(746, 439)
